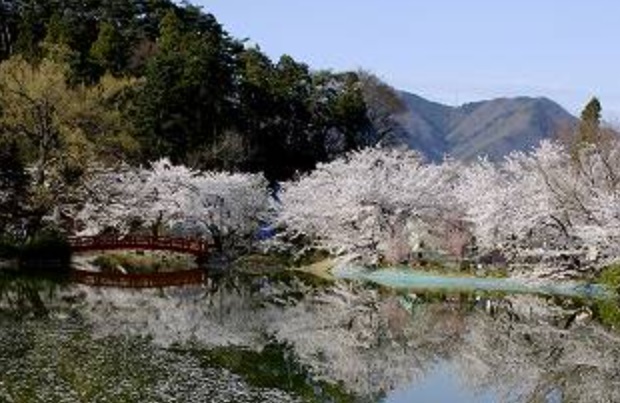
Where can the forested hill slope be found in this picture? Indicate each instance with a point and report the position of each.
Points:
(140, 80)
(493, 128)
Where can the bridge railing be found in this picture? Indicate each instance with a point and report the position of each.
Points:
(189, 245)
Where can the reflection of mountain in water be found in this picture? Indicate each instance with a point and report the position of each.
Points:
(372, 340)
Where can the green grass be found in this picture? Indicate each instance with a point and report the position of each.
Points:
(279, 268)
(610, 276)
(311, 256)
(608, 311)
(143, 262)
(261, 263)
(257, 262)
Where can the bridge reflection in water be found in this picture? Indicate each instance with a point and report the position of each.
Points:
(197, 247)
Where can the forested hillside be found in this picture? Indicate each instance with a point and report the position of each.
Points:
(137, 80)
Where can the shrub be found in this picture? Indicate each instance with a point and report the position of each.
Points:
(47, 250)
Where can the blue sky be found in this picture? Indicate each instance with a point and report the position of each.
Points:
(451, 51)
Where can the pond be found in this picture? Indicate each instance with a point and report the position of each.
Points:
(291, 337)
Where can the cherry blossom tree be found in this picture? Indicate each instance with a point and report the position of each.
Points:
(382, 204)
(510, 201)
(172, 198)
(370, 203)
(546, 199)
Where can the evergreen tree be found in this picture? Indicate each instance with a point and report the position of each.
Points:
(27, 43)
(57, 42)
(256, 105)
(8, 28)
(57, 31)
(109, 50)
(349, 114)
(170, 33)
(382, 104)
(590, 122)
(188, 100)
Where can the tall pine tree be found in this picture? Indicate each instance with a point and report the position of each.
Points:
(590, 122)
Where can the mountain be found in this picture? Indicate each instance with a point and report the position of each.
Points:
(493, 128)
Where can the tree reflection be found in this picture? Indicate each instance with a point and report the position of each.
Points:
(530, 355)
(370, 340)
(26, 293)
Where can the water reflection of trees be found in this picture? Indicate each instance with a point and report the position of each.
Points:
(523, 347)
(530, 355)
(27, 294)
(371, 340)
(345, 333)
(368, 340)
(374, 342)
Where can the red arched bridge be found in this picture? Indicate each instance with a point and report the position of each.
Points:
(192, 246)
(196, 247)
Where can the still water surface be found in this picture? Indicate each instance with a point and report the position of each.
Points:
(291, 337)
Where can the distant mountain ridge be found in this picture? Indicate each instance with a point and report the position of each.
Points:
(493, 128)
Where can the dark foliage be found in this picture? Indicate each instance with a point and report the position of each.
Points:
(203, 99)
(46, 252)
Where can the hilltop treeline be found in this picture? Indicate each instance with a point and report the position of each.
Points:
(138, 80)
